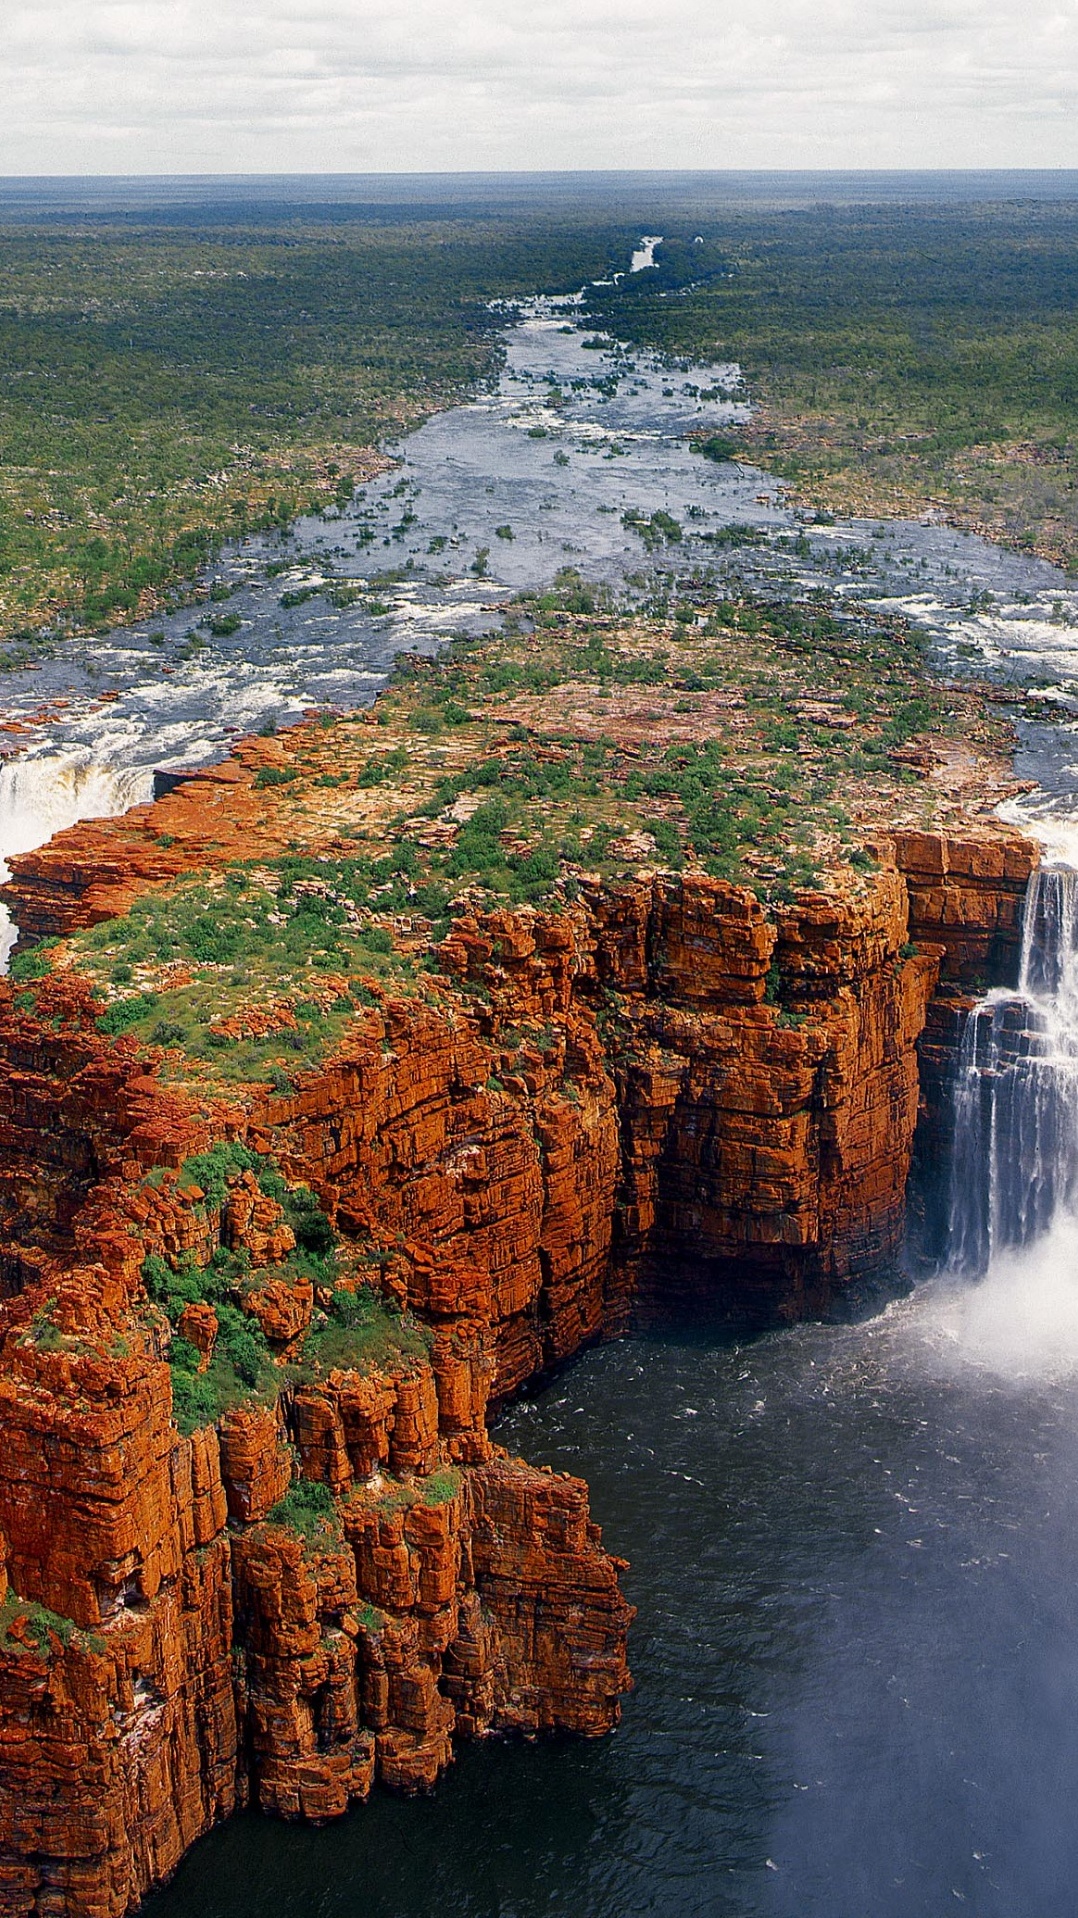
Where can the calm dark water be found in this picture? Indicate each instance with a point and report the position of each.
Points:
(855, 1557)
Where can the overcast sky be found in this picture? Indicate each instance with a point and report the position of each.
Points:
(401, 85)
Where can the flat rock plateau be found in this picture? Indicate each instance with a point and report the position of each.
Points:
(602, 965)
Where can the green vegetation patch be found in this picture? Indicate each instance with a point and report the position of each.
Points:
(213, 1171)
(441, 1487)
(172, 383)
(655, 529)
(812, 703)
(353, 1328)
(242, 1366)
(41, 1627)
(360, 1331)
(906, 353)
(298, 935)
(310, 1510)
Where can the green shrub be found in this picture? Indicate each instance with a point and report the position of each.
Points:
(667, 841)
(167, 1032)
(304, 1213)
(213, 1170)
(307, 1508)
(26, 966)
(41, 1626)
(242, 1341)
(241, 1368)
(717, 447)
(361, 1332)
(376, 939)
(441, 1486)
(125, 1013)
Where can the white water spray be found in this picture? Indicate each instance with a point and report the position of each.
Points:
(1016, 1099)
(1014, 1193)
(41, 793)
(644, 255)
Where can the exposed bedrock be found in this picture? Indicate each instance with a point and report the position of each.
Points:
(708, 1105)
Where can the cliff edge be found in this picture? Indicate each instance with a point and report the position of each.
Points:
(346, 1090)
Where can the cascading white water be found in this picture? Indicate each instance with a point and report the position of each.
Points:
(41, 793)
(1015, 1172)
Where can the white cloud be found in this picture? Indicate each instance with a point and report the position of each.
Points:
(350, 85)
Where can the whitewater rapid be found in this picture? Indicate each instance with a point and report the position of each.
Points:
(554, 468)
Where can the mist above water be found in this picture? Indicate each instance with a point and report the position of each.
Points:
(1019, 1321)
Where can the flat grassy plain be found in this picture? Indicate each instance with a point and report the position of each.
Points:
(166, 382)
(902, 358)
(162, 387)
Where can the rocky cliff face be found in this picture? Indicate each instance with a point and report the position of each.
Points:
(658, 1094)
(173, 1644)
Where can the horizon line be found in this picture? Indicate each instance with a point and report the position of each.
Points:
(533, 173)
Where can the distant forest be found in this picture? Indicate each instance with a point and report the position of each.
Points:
(166, 381)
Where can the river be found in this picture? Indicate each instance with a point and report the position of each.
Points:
(854, 1549)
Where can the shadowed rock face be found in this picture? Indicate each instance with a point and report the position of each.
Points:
(721, 1111)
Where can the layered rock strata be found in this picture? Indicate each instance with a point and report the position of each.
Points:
(172, 1644)
(659, 1093)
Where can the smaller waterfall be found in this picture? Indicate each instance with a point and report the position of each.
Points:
(1015, 1170)
(41, 793)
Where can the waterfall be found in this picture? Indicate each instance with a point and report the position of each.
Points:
(42, 792)
(1015, 1168)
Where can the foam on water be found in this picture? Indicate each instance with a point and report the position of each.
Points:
(1020, 1321)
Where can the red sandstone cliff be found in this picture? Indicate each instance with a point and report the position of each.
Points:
(193, 1653)
(659, 1092)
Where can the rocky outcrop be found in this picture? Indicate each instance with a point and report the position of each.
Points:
(966, 892)
(770, 1102)
(174, 1642)
(98, 869)
(659, 1094)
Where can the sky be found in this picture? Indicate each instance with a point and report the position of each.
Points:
(250, 86)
